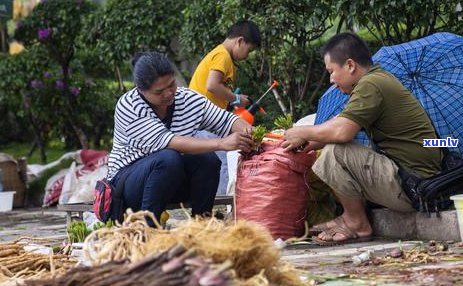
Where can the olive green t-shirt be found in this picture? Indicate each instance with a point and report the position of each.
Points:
(394, 120)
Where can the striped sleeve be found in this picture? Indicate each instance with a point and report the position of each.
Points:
(218, 120)
(148, 134)
(137, 133)
(211, 117)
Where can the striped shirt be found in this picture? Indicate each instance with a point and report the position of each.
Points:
(138, 131)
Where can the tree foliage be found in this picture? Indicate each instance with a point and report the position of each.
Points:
(45, 87)
(55, 25)
(290, 34)
(394, 22)
(121, 28)
(17, 72)
(293, 32)
(60, 83)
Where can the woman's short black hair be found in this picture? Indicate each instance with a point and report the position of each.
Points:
(148, 67)
(344, 46)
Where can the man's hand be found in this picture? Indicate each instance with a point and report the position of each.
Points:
(237, 141)
(293, 139)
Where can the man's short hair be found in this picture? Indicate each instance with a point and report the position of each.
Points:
(344, 46)
(246, 29)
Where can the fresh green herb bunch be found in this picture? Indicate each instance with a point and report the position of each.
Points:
(258, 133)
(99, 225)
(284, 121)
(77, 231)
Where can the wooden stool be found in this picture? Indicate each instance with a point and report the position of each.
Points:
(80, 208)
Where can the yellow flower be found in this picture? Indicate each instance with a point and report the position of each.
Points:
(15, 48)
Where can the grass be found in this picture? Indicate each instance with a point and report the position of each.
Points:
(53, 151)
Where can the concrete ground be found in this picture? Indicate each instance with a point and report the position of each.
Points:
(342, 265)
(325, 265)
(37, 222)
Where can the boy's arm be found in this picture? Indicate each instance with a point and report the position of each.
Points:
(214, 85)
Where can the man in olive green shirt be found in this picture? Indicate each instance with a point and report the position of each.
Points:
(395, 122)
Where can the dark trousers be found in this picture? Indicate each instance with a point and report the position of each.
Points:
(168, 176)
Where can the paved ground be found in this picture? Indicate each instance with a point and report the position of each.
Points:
(37, 222)
(321, 265)
(335, 266)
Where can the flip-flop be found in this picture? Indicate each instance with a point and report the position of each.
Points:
(351, 236)
(319, 228)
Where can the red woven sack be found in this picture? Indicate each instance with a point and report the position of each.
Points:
(271, 189)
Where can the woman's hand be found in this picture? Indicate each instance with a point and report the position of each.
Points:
(238, 141)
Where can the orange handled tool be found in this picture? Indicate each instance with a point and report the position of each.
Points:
(248, 114)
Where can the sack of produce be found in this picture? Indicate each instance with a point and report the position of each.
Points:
(272, 189)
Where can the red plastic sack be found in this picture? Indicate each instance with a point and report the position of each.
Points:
(272, 190)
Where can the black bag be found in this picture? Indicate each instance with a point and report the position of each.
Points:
(432, 194)
(108, 202)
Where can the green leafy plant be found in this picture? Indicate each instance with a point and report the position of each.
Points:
(77, 231)
(107, 224)
(258, 133)
(291, 31)
(284, 121)
(394, 22)
(55, 25)
(121, 28)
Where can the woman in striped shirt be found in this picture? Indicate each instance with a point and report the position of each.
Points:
(154, 153)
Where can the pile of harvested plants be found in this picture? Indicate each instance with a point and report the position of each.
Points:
(248, 247)
(17, 264)
(176, 266)
(284, 122)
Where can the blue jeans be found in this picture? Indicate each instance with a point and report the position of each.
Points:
(168, 176)
(223, 181)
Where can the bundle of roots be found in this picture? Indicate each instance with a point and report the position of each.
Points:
(176, 266)
(18, 264)
(247, 246)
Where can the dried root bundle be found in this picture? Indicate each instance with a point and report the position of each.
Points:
(123, 242)
(247, 246)
(176, 266)
(16, 263)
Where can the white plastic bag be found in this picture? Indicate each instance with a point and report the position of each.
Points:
(84, 190)
(232, 159)
(69, 184)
